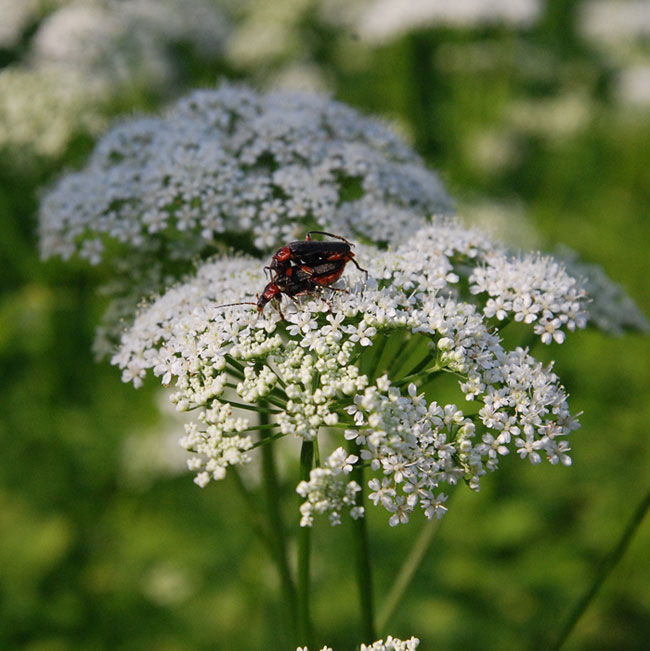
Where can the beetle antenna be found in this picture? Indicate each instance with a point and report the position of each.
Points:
(233, 304)
(338, 237)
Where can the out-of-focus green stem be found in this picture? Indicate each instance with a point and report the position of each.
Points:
(424, 85)
(406, 573)
(304, 555)
(259, 524)
(362, 557)
(606, 566)
(277, 530)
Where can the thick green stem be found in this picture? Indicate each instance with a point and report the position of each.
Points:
(606, 566)
(362, 557)
(304, 555)
(277, 529)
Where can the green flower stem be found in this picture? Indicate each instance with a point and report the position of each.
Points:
(344, 425)
(304, 555)
(282, 403)
(276, 527)
(370, 357)
(430, 355)
(316, 462)
(234, 363)
(237, 371)
(606, 567)
(362, 557)
(380, 346)
(275, 397)
(404, 355)
(281, 382)
(268, 438)
(406, 573)
(263, 411)
(424, 376)
(260, 428)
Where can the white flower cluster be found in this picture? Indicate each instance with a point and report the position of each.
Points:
(532, 289)
(535, 290)
(611, 309)
(233, 166)
(328, 491)
(391, 644)
(365, 362)
(235, 161)
(88, 55)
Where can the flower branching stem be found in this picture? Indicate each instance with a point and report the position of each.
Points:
(261, 410)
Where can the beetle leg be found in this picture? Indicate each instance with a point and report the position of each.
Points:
(359, 267)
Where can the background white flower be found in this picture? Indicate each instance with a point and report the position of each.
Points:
(235, 161)
(88, 58)
(112, 43)
(384, 20)
(233, 167)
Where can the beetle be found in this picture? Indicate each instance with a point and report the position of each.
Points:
(295, 283)
(301, 268)
(323, 261)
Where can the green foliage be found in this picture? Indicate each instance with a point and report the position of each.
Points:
(91, 560)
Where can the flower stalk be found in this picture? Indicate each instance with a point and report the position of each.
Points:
(277, 529)
(304, 555)
(362, 557)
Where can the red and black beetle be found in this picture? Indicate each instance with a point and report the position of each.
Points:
(324, 262)
(291, 285)
(302, 267)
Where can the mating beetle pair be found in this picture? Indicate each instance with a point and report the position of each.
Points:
(302, 267)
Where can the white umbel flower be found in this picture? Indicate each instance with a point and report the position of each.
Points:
(235, 161)
(232, 167)
(365, 363)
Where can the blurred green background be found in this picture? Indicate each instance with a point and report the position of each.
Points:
(105, 543)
